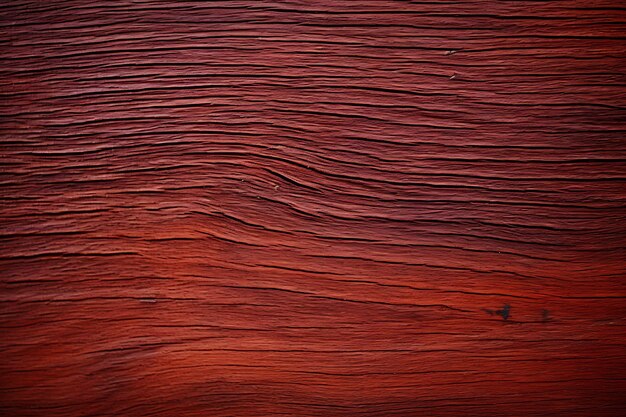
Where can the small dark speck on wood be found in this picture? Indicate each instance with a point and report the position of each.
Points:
(505, 313)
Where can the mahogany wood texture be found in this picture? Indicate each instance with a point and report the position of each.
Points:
(313, 208)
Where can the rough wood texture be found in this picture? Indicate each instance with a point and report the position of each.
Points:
(313, 208)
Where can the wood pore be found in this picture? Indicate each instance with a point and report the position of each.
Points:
(313, 208)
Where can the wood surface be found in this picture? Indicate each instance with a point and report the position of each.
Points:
(313, 208)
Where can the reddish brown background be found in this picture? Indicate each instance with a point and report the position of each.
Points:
(313, 208)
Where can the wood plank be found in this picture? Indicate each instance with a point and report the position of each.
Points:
(329, 208)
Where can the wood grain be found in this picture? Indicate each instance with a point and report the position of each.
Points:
(313, 208)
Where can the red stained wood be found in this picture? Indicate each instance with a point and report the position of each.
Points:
(329, 208)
